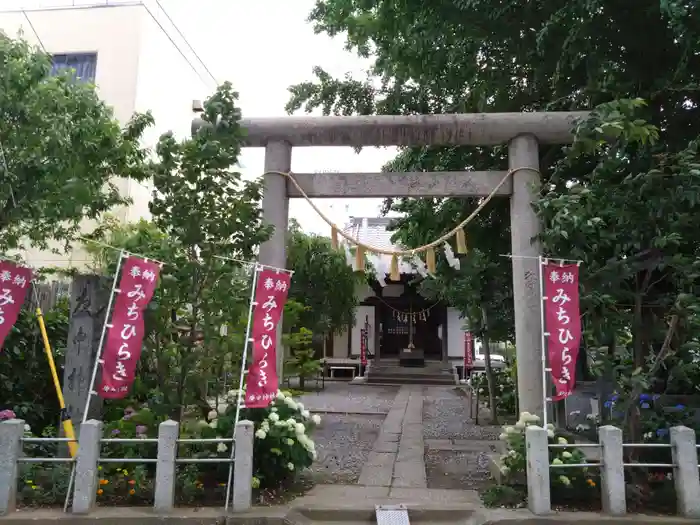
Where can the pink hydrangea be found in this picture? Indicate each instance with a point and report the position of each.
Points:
(7, 414)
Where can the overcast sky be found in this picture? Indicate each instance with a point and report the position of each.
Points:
(262, 47)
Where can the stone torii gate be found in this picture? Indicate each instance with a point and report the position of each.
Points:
(521, 131)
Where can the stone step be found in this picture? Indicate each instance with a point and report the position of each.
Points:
(409, 380)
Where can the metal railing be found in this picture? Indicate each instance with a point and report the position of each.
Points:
(683, 447)
(84, 482)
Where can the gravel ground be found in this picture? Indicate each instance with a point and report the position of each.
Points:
(456, 470)
(358, 399)
(446, 417)
(343, 442)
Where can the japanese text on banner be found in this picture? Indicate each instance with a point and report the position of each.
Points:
(468, 351)
(126, 330)
(363, 347)
(270, 296)
(563, 324)
(14, 284)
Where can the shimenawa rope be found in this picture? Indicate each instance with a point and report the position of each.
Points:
(457, 231)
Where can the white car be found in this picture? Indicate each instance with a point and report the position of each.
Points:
(497, 361)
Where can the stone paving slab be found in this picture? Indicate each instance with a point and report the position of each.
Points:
(397, 454)
(356, 496)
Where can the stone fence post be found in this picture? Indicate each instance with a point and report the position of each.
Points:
(612, 471)
(168, 432)
(86, 479)
(11, 433)
(685, 471)
(243, 466)
(537, 452)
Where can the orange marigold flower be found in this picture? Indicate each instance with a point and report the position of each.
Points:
(590, 482)
(104, 482)
(132, 492)
(100, 492)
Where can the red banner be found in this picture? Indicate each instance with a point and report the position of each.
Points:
(14, 284)
(563, 325)
(363, 347)
(468, 351)
(125, 336)
(270, 296)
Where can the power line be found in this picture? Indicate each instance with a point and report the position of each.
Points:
(177, 47)
(25, 11)
(36, 34)
(187, 42)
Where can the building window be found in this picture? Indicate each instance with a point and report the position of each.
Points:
(84, 65)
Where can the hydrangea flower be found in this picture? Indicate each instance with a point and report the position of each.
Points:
(7, 414)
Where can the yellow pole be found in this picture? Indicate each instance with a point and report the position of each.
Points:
(66, 420)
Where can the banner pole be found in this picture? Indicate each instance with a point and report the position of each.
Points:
(100, 345)
(545, 397)
(240, 398)
(98, 355)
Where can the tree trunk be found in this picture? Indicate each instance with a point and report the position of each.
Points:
(487, 363)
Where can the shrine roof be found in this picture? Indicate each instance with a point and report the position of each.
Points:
(373, 232)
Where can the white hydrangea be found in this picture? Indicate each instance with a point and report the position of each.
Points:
(509, 430)
(316, 419)
(300, 405)
(212, 415)
(290, 442)
(221, 409)
(291, 403)
(305, 414)
(299, 428)
(503, 436)
(280, 395)
(550, 434)
(566, 454)
(261, 434)
(565, 481)
(213, 424)
(221, 447)
(306, 442)
(290, 465)
(273, 417)
(562, 441)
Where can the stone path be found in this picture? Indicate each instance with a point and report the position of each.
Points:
(396, 458)
(390, 439)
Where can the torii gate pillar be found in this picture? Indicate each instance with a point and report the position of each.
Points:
(525, 248)
(278, 157)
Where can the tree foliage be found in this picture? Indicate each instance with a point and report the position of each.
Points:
(62, 147)
(203, 212)
(322, 281)
(620, 201)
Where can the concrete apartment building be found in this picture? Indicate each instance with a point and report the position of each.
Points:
(138, 61)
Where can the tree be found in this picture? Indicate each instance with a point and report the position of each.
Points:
(203, 212)
(323, 282)
(61, 149)
(483, 55)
